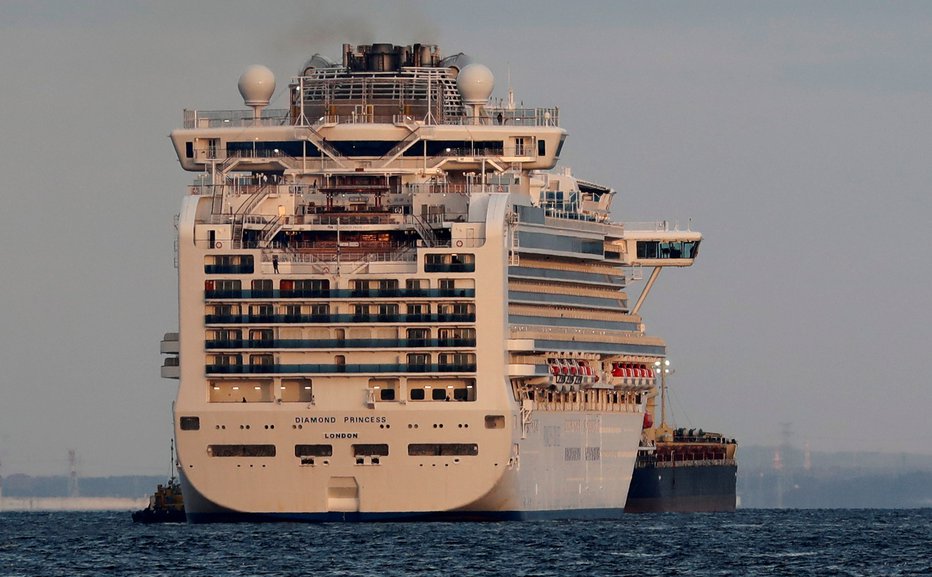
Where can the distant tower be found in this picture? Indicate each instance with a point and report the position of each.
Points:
(72, 473)
(807, 458)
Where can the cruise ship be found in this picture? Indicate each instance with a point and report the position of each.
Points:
(393, 305)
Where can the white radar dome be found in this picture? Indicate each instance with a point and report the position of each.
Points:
(475, 83)
(257, 85)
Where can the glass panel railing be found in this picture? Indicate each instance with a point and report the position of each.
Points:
(355, 369)
(339, 294)
(337, 343)
(220, 319)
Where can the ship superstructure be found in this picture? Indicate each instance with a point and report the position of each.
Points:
(391, 306)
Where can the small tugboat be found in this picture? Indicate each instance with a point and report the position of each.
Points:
(166, 505)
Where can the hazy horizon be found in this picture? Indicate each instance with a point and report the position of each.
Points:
(793, 135)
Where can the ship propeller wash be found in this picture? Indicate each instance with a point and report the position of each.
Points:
(394, 305)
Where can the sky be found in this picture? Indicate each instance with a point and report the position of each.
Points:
(794, 135)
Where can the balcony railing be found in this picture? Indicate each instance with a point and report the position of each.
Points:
(222, 319)
(339, 294)
(227, 344)
(393, 368)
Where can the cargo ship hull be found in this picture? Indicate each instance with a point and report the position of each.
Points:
(683, 489)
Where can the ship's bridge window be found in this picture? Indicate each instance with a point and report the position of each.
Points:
(450, 262)
(457, 148)
(264, 149)
(660, 250)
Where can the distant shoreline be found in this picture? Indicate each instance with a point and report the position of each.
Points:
(19, 504)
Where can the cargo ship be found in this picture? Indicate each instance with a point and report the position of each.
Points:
(394, 305)
(680, 470)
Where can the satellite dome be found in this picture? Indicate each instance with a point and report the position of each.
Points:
(475, 83)
(257, 85)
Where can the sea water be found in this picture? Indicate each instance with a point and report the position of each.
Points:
(748, 542)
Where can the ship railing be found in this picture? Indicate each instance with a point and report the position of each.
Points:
(235, 118)
(500, 114)
(401, 255)
(654, 226)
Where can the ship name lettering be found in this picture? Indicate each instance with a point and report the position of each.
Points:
(341, 435)
(365, 419)
(300, 420)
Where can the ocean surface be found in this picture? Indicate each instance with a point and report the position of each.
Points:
(749, 542)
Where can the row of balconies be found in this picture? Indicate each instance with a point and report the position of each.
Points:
(391, 368)
(339, 318)
(340, 293)
(337, 343)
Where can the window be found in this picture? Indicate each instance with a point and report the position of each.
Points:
(541, 148)
(313, 450)
(417, 310)
(292, 313)
(360, 312)
(262, 312)
(438, 394)
(519, 146)
(417, 394)
(494, 421)
(263, 360)
(261, 287)
(229, 264)
(261, 337)
(310, 286)
(443, 449)
(190, 423)
(388, 310)
(241, 450)
(418, 361)
(418, 337)
(456, 361)
(373, 450)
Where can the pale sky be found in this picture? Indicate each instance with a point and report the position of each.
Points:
(795, 135)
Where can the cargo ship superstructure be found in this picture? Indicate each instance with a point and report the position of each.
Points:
(681, 470)
(392, 306)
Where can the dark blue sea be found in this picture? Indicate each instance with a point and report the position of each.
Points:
(749, 542)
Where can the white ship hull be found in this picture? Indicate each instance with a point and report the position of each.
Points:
(571, 465)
